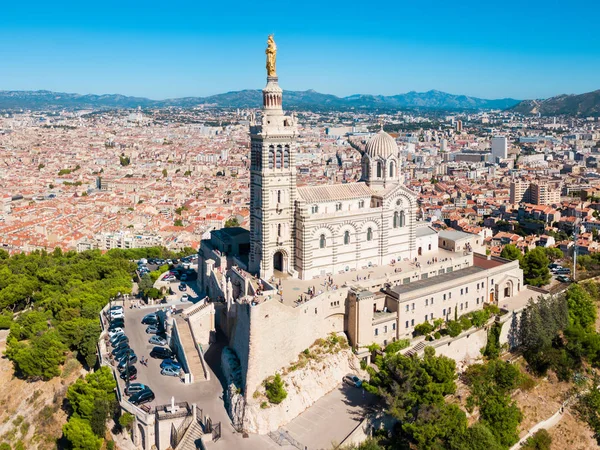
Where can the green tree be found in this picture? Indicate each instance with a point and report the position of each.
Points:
(541, 440)
(553, 253)
(232, 222)
(535, 267)
(511, 252)
(164, 173)
(80, 435)
(423, 328)
(275, 390)
(582, 309)
(178, 223)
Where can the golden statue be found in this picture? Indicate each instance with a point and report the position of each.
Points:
(271, 52)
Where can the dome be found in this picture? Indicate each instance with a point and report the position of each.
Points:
(382, 145)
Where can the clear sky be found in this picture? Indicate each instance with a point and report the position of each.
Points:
(492, 49)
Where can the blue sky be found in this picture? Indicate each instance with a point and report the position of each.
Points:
(520, 49)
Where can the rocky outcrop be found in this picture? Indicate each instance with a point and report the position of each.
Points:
(305, 383)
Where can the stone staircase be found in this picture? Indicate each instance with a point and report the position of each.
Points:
(191, 352)
(192, 435)
(416, 349)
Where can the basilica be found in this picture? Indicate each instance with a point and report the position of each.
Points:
(317, 230)
(347, 258)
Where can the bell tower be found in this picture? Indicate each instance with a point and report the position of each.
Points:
(272, 180)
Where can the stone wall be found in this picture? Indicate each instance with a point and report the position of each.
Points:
(304, 387)
(278, 333)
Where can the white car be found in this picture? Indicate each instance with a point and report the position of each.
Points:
(185, 298)
(115, 332)
(117, 315)
(169, 278)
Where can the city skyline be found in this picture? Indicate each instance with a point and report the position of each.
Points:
(477, 50)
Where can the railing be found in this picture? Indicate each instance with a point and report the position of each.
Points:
(177, 434)
(282, 437)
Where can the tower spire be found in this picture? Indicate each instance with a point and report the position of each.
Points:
(272, 93)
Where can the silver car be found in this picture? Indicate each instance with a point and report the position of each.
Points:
(158, 340)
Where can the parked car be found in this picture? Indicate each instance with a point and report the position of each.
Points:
(116, 308)
(353, 380)
(134, 388)
(116, 323)
(153, 329)
(563, 271)
(131, 359)
(121, 352)
(183, 287)
(120, 348)
(169, 362)
(563, 279)
(169, 278)
(158, 340)
(117, 315)
(115, 331)
(141, 397)
(170, 371)
(132, 371)
(185, 298)
(150, 319)
(161, 353)
(117, 340)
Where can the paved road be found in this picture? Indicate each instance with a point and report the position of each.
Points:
(331, 418)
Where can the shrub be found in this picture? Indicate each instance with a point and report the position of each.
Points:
(454, 328)
(465, 323)
(396, 346)
(275, 390)
(437, 335)
(126, 420)
(539, 441)
(429, 338)
(264, 405)
(110, 445)
(423, 328)
(363, 364)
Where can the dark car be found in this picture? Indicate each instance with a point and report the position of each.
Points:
(141, 397)
(121, 352)
(161, 353)
(120, 323)
(132, 373)
(125, 360)
(120, 348)
(150, 319)
(170, 363)
(118, 340)
(183, 287)
(134, 388)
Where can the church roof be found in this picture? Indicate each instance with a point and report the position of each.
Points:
(334, 192)
(382, 145)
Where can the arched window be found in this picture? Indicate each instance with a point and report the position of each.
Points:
(279, 229)
(379, 169)
(271, 156)
(322, 241)
(369, 234)
(402, 219)
(286, 157)
(346, 237)
(278, 196)
(396, 219)
(391, 169)
(279, 160)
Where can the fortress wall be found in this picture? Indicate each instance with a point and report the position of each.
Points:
(465, 347)
(239, 334)
(278, 333)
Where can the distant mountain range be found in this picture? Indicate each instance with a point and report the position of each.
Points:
(43, 100)
(587, 104)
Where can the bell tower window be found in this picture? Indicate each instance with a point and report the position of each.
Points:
(286, 157)
(369, 234)
(322, 241)
(346, 237)
(391, 169)
(379, 169)
(271, 156)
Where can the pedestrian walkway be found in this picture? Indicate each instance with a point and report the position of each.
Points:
(191, 352)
